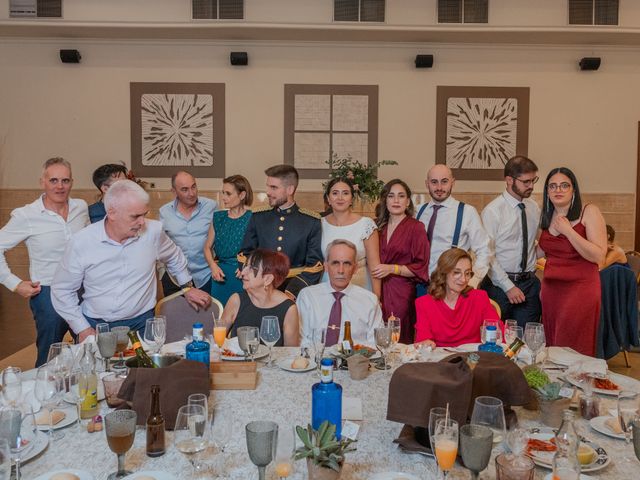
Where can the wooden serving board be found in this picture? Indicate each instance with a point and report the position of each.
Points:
(233, 375)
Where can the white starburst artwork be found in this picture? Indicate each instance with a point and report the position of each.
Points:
(177, 129)
(481, 132)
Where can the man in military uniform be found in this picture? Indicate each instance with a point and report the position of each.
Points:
(285, 227)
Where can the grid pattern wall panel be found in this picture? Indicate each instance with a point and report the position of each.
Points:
(218, 9)
(372, 10)
(204, 9)
(50, 8)
(231, 9)
(606, 12)
(449, 11)
(580, 12)
(345, 10)
(476, 11)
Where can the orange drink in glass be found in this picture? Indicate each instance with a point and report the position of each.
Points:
(446, 444)
(219, 335)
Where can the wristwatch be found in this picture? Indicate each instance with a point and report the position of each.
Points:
(189, 284)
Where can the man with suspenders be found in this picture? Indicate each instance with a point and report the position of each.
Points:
(450, 223)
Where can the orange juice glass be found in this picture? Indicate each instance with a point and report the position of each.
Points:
(219, 335)
(446, 452)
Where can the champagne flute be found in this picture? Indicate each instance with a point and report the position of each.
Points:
(5, 460)
(122, 341)
(18, 428)
(107, 342)
(78, 390)
(435, 414)
(120, 427)
(219, 330)
(489, 412)
(534, 337)
(394, 325)
(253, 342)
(190, 432)
(628, 403)
(47, 390)
(446, 443)
(12, 385)
(285, 452)
(383, 341)
(476, 443)
(262, 439)
(270, 334)
(319, 340)
(222, 429)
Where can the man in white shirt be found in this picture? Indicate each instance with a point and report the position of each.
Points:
(443, 214)
(186, 220)
(114, 260)
(512, 221)
(46, 226)
(329, 304)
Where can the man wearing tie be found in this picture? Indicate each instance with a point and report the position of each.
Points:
(511, 221)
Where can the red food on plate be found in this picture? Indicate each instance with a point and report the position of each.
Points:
(541, 445)
(229, 353)
(605, 384)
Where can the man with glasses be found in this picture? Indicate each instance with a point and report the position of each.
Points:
(45, 226)
(512, 221)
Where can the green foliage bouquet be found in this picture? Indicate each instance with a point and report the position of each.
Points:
(364, 177)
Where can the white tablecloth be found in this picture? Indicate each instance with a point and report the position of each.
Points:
(285, 397)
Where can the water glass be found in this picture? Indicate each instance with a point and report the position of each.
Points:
(319, 340)
(48, 390)
(534, 338)
(12, 385)
(628, 404)
(190, 430)
(107, 341)
(476, 443)
(5, 460)
(122, 341)
(112, 383)
(262, 439)
(120, 427)
(489, 412)
(383, 342)
(513, 467)
(18, 428)
(270, 334)
(446, 444)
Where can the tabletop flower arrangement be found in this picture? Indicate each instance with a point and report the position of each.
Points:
(365, 180)
(325, 454)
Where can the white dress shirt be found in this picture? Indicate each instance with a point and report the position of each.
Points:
(503, 223)
(472, 234)
(119, 279)
(359, 306)
(46, 235)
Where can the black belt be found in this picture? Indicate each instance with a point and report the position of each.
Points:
(520, 276)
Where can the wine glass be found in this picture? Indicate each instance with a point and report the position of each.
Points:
(222, 429)
(319, 340)
(435, 414)
(285, 452)
(60, 358)
(107, 342)
(219, 331)
(78, 391)
(262, 439)
(270, 334)
(189, 433)
(5, 460)
(511, 332)
(18, 428)
(636, 437)
(155, 333)
(489, 412)
(12, 385)
(394, 325)
(249, 341)
(476, 443)
(120, 427)
(534, 338)
(628, 403)
(446, 443)
(383, 342)
(122, 341)
(48, 389)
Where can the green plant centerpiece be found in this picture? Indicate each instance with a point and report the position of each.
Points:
(324, 453)
(364, 177)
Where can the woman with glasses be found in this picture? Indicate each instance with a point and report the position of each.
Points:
(574, 241)
(452, 312)
(263, 273)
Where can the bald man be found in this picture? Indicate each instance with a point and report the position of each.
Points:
(186, 221)
(450, 223)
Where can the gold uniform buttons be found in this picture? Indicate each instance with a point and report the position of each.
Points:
(282, 219)
(279, 239)
(279, 248)
(280, 228)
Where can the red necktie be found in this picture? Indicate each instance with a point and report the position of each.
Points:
(335, 320)
(432, 222)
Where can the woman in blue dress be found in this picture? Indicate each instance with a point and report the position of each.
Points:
(225, 237)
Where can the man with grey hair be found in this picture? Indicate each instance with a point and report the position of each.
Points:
(329, 304)
(114, 260)
(46, 226)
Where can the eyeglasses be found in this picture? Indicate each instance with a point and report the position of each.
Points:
(527, 183)
(457, 274)
(560, 187)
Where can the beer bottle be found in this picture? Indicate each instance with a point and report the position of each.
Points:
(347, 341)
(155, 425)
(143, 359)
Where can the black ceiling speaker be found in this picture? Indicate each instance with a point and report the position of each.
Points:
(424, 61)
(589, 63)
(70, 56)
(239, 58)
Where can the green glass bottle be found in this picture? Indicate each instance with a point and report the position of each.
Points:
(143, 359)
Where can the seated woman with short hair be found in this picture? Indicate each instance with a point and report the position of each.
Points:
(261, 275)
(452, 313)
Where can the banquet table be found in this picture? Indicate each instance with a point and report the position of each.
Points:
(285, 397)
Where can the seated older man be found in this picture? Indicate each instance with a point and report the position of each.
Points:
(114, 260)
(330, 303)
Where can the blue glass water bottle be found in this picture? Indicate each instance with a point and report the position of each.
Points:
(490, 337)
(326, 399)
(198, 349)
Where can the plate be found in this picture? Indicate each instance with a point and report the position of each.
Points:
(393, 476)
(71, 416)
(335, 351)
(156, 475)
(285, 364)
(544, 459)
(467, 347)
(598, 424)
(39, 444)
(263, 351)
(625, 383)
(81, 474)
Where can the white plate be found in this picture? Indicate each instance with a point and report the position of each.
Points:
(71, 415)
(335, 350)
(467, 347)
(598, 424)
(625, 383)
(393, 476)
(263, 351)
(39, 444)
(156, 475)
(544, 459)
(285, 364)
(81, 474)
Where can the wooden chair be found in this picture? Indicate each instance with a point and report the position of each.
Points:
(181, 316)
(496, 306)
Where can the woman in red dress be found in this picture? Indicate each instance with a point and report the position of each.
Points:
(452, 313)
(404, 255)
(574, 240)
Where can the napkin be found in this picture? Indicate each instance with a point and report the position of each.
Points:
(232, 345)
(351, 408)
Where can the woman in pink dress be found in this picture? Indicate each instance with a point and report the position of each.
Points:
(404, 255)
(574, 240)
(452, 312)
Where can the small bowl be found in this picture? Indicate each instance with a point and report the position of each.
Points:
(159, 360)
